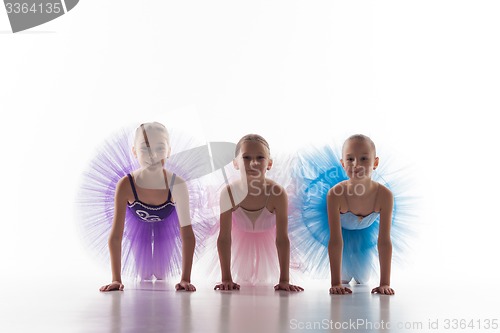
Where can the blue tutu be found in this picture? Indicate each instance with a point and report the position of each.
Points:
(315, 171)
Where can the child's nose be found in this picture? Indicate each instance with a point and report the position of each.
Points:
(154, 155)
(254, 163)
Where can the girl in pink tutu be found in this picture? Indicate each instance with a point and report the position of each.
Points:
(253, 242)
(150, 214)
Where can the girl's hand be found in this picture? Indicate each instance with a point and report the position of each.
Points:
(384, 289)
(288, 287)
(227, 285)
(115, 285)
(340, 290)
(184, 285)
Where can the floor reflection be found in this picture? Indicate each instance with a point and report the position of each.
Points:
(157, 307)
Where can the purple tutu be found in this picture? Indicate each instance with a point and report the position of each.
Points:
(151, 246)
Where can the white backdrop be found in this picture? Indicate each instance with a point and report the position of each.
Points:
(421, 78)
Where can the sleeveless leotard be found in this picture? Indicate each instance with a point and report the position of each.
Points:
(151, 213)
(154, 235)
(351, 221)
(254, 257)
(357, 254)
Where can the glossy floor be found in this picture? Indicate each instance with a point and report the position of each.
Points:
(69, 306)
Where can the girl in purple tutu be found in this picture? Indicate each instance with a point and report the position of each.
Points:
(150, 214)
(253, 242)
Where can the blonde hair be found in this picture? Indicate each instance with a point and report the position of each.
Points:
(153, 126)
(251, 138)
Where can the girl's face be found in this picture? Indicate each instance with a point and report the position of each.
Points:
(154, 155)
(253, 159)
(358, 159)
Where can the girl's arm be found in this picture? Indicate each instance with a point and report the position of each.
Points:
(181, 193)
(336, 243)
(384, 242)
(188, 245)
(116, 235)
(224, 248)
(283, 242)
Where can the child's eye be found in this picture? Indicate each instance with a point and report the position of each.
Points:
(260, 157)
(246, 157)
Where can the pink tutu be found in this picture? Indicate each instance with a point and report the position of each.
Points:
(254, 257)
(253, 247)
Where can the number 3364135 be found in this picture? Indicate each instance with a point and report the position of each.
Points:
(26, 8)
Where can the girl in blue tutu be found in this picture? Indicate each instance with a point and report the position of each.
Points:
(354, 205)
(150, 214)
(343, 214)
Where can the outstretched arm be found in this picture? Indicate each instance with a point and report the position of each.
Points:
(180, 191)
(224, 249)
(385, 244)
(335, 244)
(283, 242)
(116, 236)
(188, 245)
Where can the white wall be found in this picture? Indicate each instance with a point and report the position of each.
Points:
(421, 78)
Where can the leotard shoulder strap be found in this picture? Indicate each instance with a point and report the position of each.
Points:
(133, 186)
(172, 181)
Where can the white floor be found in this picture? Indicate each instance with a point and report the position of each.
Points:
(74, 306)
